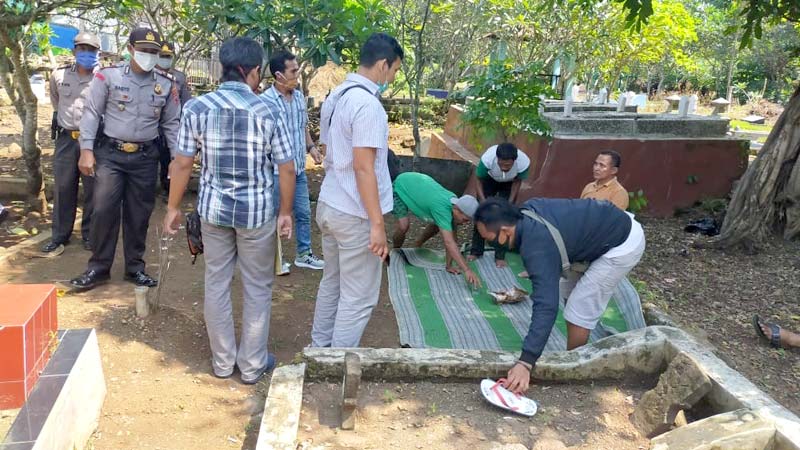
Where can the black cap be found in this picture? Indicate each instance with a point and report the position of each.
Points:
(167, 48)
(145, 38)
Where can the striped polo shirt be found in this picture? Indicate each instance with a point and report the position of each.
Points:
(358, 120)
(296, 118)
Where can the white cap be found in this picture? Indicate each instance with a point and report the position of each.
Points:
(467, 204)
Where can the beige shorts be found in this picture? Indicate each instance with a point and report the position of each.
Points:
(588, 293)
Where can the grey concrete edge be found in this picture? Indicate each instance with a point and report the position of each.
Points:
(645, 352)
(281, 418)
(13, 251)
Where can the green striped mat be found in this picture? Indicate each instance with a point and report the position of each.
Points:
(437, 309)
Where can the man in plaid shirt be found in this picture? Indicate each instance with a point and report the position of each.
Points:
(240, 138)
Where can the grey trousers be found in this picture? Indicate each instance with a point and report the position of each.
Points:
(351, 280)
(254, 249)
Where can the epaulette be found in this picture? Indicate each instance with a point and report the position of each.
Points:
(65, 66)
(166, 75)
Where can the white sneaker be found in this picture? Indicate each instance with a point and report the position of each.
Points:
(309, 261)
(284, 269)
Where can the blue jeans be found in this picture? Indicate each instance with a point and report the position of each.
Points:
(302, 210)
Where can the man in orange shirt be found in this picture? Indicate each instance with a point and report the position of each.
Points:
(605, 185)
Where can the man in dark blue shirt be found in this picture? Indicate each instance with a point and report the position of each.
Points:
(594, 232)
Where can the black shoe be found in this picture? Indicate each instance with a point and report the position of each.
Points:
(89, 280)
(87, 245)
(3, 215)
(141, 279)
(51, 246)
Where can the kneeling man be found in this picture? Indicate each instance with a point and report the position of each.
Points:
(428, 200)
(551, 235)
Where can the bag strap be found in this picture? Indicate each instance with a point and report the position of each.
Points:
(562, 249)
(330, 119)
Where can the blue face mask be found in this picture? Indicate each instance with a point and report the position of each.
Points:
(86, 59)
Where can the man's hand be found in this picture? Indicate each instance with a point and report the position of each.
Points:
(377, 241)
(86, 163)
(518, 379)
(285, 226)
(472, 279)
(500, 263)
(453, 269)
(471, 258)
(316, 155)
(172, 220)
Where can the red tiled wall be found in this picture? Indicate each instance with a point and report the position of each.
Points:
(28, 323)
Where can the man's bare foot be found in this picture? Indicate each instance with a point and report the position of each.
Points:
(787, 338)
(523, 274)
(471, 258)
(500, 263)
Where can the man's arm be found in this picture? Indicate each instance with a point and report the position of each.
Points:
(620, 199)
(180, 170)
(281, 147)
(170, 120)
(315, 154)
(451, 247)
(515, 185)
(367, 183)
(481, 172)
(54, 89)
(93, 110)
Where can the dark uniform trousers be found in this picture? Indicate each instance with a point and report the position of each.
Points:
(491, 188)
(164, 158)
(125, 183)
(65, 201)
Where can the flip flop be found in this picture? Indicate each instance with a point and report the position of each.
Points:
(775, 330)
(496, 394)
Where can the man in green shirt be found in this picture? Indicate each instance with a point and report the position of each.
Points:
(422, 196)
(500, 173)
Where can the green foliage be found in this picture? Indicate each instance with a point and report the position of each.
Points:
(637, 201)
(742, 125)
(713, 206)
(388, 396)
(506, 99)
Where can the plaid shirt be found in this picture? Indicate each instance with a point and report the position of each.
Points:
(240, 137)
(296, 117)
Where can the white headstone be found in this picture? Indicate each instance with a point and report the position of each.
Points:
(576, 90)
(621, 105)
(683, 106)
(693, 104)
(603, 97)
(568, 106)
(639, 100)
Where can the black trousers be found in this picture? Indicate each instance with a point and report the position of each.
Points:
(125, 188)
(65, 201)
(491, 188)
(164, 158)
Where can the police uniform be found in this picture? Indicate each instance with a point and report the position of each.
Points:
(184, 94)
(68, 89)
(134, 108)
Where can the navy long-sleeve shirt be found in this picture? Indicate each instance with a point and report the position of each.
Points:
(589, 229)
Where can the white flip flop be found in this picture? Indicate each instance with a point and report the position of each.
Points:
(496, 394)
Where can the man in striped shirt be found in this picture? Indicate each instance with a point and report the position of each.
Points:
(284, 96)
(240, 138)
(355, 194)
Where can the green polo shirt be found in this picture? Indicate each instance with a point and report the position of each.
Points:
(423, 197)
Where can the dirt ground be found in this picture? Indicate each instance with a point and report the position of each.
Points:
(443, 416)
(161, 394)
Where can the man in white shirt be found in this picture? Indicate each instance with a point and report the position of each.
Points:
(356, 192)
(500, 172)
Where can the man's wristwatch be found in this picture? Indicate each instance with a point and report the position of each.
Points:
(528, 366)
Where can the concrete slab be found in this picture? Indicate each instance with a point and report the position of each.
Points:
(633, 125)
(281, 417)
(736, 430)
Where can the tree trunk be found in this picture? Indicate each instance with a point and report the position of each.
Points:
(7, 81)
(767, 198)
(31, 152)
(731, 70)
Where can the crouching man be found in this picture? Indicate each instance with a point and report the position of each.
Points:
(555, 236)
(422, 196)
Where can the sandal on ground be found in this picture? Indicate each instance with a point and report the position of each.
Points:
(496, 394)
(775, 339)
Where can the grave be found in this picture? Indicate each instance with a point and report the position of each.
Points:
(428, 398)
(53, 377)
(675, 161)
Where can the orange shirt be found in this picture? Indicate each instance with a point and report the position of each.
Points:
(611, 190)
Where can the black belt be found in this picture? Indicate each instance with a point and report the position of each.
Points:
(74, 134)
(128, 147)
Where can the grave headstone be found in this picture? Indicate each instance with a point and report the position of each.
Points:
(640, 100)
(673, 101)
(754, 119)
(350, 385)
(603, 96)
(683, 106)
(693, 104)
(720, 105)
(622, 101)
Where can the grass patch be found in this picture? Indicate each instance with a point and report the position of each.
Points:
(749, 126)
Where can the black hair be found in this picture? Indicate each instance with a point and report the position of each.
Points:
(496, 212)
(506, 151)
(380, 46)
(616, 160)
(278, 61)
(239, 53)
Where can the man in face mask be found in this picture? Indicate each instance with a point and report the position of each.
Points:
(68, 88)
(285, 96)
(166, 62)
(135, 103)
(235, 128)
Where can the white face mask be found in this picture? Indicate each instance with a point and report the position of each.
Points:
(147, 61)
(165, 62)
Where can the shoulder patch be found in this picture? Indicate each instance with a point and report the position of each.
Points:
(65, 66)
(100, 76)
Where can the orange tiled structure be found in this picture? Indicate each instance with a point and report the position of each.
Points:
(28, 324)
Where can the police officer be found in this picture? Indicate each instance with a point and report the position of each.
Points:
(68, 88)
(166, 61)
(135, 103)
